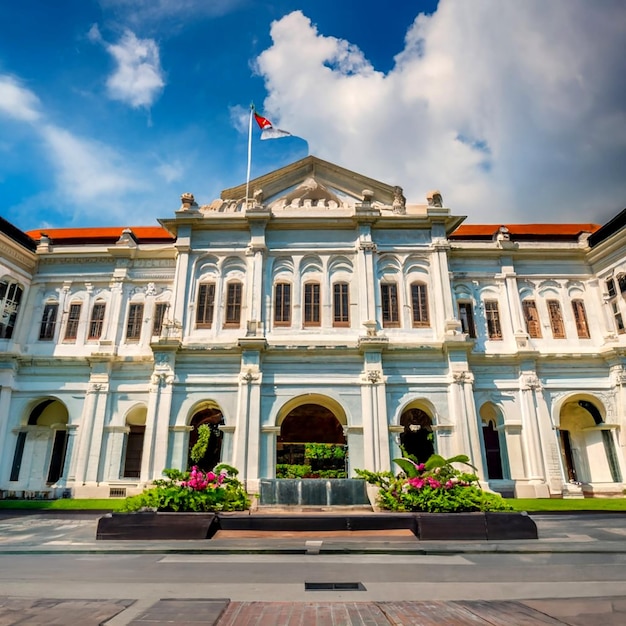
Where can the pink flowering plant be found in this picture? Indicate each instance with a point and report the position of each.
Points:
(435, 486)
(218, 490)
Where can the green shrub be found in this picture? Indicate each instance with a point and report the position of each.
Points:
(286, 470)
(219, 490)
(433, 487)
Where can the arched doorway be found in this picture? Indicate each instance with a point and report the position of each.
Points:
(588, 451)
(493, 444)
(205, 438)
(133, 448)
(417, 439)
(51, 417)
(311, 436)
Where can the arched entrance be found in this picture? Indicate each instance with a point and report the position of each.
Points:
(588, 451)
(312, 442)
(493, 442)
(133, 444)
(207, 436)
(50, 417)
(417, 439)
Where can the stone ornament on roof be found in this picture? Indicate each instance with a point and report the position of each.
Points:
(434, 198)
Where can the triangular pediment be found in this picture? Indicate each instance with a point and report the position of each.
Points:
(312, 182)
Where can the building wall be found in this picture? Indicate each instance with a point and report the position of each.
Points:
(525, 389)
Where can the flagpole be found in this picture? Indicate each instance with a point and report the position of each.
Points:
(249, 155)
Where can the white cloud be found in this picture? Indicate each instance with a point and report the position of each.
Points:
(138, 78)
(515, 109)
(17, 101)
(140, 12)
(87, 170)
(172, 171)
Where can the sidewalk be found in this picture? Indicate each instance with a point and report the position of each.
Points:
(73, 533)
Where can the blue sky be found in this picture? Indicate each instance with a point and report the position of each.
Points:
(110, 109)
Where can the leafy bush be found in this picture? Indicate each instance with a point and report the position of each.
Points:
(433, 487)
(285, 470)
(326, 451)
(219, 490)
(199, 449)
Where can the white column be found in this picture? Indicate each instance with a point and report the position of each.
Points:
(114, 452)
(367, 416)
(182, 283)
(467, 419)
(180, 446)
(531, 441)
(6, 454)
(97, 432)
(441, 280)
(79, 464)
(366, 277)
(248, 428)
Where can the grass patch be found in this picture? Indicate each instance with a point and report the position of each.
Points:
(537, 505)
(64, 504)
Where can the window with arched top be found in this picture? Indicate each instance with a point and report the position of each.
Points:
(531, 317)
(341, 304)
(73, 320)
(10, 299)
(205, 305)
(580, 317)
(282, 304)
(96, 321)
(419, 305)
(234, 291)
(312, 304)
(389, 304)
(48, 321)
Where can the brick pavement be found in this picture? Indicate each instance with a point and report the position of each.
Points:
(608, 611)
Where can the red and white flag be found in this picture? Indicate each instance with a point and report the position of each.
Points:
(268, 131)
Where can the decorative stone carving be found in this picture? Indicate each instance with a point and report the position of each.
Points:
(258, 197)
(463, 377)
(399, 201)
(368, 246)
(249, 376)
(188, 202)
(434, 198)
(531, 381)
(151, 289)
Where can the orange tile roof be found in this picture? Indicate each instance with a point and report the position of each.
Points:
(526, 231)
(143, 234)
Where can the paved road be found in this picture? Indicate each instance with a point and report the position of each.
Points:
(574, 574)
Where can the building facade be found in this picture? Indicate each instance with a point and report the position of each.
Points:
(323, 309)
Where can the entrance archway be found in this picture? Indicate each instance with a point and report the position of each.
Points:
(312, 435)
(588, 451)
(212, 418)
(417, 439)
(49, 414)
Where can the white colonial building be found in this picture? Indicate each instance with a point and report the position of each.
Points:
(325, 309)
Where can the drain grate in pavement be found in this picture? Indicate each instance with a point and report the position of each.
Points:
(334, 586)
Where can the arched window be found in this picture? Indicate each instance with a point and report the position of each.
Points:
(389, 304)
(419, 305)
(48, 321)
(10, 299)
(73, 319)
(96, 323)
(233, 303)
(312, 304)
(282, 304)
(341, 304)
(531, 316)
